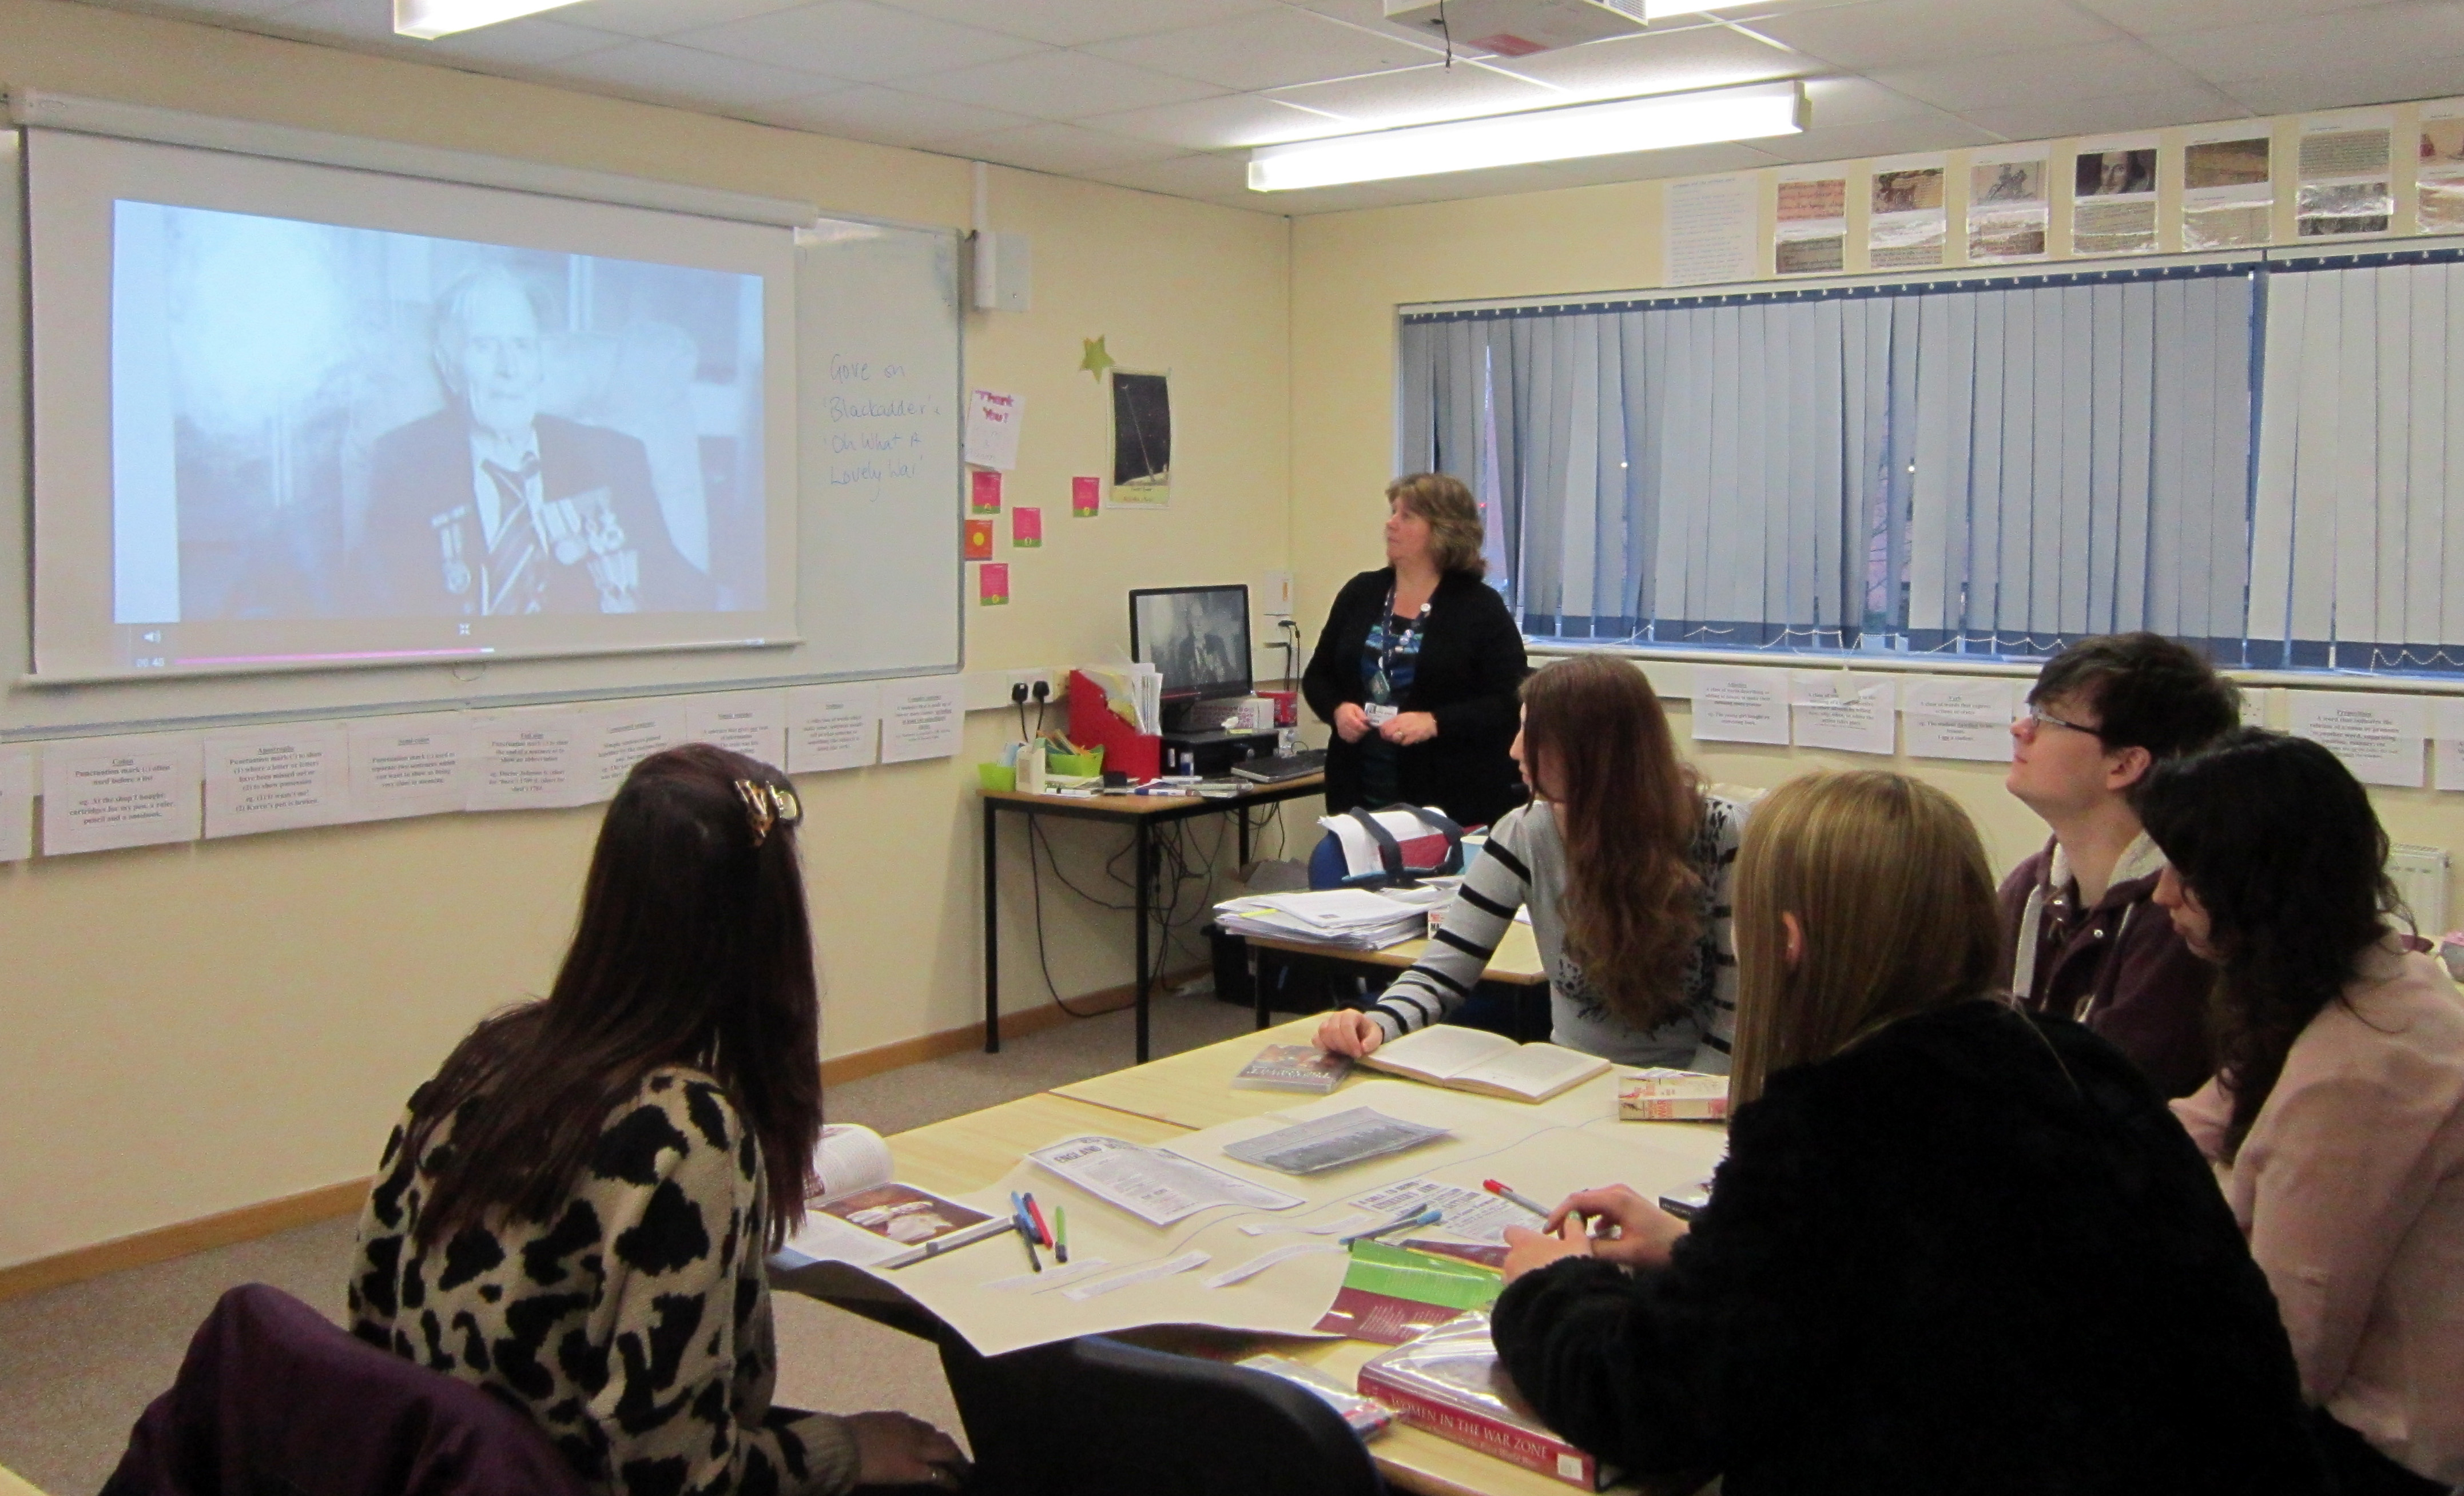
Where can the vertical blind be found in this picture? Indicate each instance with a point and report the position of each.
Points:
(1989, 467)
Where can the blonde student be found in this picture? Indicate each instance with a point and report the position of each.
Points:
(1623, 862)
(1954, 1247)
(573, 1214)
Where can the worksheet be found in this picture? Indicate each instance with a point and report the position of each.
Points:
(1156, 1186)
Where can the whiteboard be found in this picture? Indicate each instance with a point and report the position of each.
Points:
(879, 571)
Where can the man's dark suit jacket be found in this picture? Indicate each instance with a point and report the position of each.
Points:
(420, 476)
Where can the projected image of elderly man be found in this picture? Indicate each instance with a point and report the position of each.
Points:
(491, 507)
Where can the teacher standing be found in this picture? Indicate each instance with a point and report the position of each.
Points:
(1418, 667)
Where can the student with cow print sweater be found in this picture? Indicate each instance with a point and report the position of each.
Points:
(573, 1214)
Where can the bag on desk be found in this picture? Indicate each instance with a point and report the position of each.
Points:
(1376, 850)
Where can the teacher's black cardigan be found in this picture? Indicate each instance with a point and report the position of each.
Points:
(1973, 1253)
(1470, 667)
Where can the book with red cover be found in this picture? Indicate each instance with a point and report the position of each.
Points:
(1448, 1382)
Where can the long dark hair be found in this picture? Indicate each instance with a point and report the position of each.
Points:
(2278, 841)
(693, 949)
(1628, 809)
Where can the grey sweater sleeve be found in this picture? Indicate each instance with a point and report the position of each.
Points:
(1468, 934)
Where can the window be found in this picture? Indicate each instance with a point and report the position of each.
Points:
(1987, 466)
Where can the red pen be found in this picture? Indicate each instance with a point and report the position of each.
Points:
(1035, 1213)
(1494, 1187)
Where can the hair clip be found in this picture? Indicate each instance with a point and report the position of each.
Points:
(767, 805)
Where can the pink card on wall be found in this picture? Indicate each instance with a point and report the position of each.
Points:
(992, 580)
(1025, 527)
(985, 494)
(1086, 497)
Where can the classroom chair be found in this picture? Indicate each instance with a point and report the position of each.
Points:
(273, 1399)
(1095, 1417)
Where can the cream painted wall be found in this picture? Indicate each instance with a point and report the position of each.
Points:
(1349, 273)
(186, 1030)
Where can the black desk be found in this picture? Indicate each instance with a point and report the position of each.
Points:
(1142, 814)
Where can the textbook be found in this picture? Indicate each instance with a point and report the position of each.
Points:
(1658, 1095)
(1294, 1068)
(861, 1216)
(1391, 1294)
(1490, 1064)
(1448, 1382)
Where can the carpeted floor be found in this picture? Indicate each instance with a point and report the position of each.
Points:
(79, 1363)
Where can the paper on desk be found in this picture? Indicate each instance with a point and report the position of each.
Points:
(751, 722)
(16, 804)
(102, 793)
(833, 727)
(278, 780)
(1154, 1185)
(1468, 1212)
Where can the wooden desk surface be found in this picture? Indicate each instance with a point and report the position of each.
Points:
(972, 1152)
(1128, 808)
(1516, 961)
(1195, 1089)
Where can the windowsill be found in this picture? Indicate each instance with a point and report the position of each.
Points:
(1967, 665)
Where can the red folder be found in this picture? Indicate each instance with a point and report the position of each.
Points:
(1093, 721)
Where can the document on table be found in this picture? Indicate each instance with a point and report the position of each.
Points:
(751, 722)
(16, 804)
(1849, 710)
(1156, 1186)
(102, 793)
(278, 780)
(920, 719)
(407, 765)
(1472, 1213)
(1740, 704)
(1332, 1142)
(1959, 716)
(833, 727)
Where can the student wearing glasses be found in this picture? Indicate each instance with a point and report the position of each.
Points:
(2082, 936)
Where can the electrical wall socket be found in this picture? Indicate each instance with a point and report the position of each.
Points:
(1051, 679)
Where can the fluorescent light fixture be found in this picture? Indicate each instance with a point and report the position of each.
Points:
(429, 19)
(1654, 121)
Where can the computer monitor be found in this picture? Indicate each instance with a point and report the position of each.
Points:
(1199, 637)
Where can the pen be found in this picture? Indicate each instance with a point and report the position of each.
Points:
(1060, 1242)
(1035, 1213)
(1027, 1234)
(1430, 1217)
(982, 1231)
(1497, 1188)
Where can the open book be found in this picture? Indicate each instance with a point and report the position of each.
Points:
(1476, 1060)
(863, 1217)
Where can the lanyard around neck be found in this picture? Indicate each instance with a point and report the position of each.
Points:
(1392, 643)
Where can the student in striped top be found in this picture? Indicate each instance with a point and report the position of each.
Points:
(1624, 864)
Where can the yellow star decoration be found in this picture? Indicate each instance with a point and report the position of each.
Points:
(1097, 360)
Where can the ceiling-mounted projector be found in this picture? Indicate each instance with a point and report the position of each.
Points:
(1519, 27)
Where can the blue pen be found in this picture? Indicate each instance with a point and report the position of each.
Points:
(1430, 1217)
(1025, 1230)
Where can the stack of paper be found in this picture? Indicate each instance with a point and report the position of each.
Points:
(1354, 920)
(1134, 691)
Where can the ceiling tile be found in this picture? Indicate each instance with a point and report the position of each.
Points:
(1414, 96)
(1074, 23)
(2390, 35)
(1691, 161)
(1661, 62)
(2148, 17)
(1224, 122)
(662, 17)
(210, 12)
(674, 74)
(1065, 149)
(2055, 117)
(1060, 86)
(1370, 15)
(857, 40)
(1268, 50)
(885, 116)
(1859, 101)
(1931, 131)
(530, 39)
(1213, 179)
(2098, 70)
(1899, 34)
(2345, 87)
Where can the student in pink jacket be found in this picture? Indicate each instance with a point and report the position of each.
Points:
(2338, 1107)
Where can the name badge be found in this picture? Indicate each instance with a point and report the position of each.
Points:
(1380, 715)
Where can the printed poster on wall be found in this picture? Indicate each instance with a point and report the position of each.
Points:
(1141, 440)
(2113, 196)
(103, 793)
(993, 423)
(2228, 189)
(1740, 704)
(2007, 204)
(1025, 528)
(1812, 238)
(1710, 225)
(2378, 737)
(1908, 226)
(2439, 176)
(2346, 183)
(983, 492)
(980, 540)
(1086, 497)
(992, 583)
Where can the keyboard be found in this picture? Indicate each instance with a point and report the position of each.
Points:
(1274, 771)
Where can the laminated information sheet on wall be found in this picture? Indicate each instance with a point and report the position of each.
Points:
(407, 765)
(1740, 704)
(527, 760)
(833, 727)
(921, 719)
(1850, 711)
(278, 780)
(1712, 225)
(616, 737)
(2378, 737)
(1192, 1271)
(751, 722)
(1951, 717)
(102, 793)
